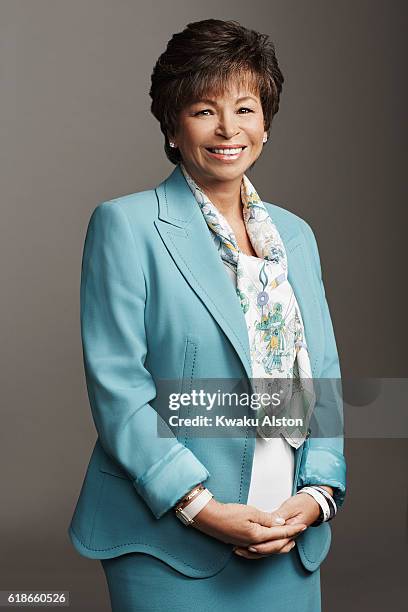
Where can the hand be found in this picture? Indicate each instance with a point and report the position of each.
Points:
(298, 509)
(244, 525)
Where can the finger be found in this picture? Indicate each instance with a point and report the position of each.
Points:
(290, 546)
(244, 552)
(267, 519)
(277, 518)
(277, 547)
(273, 547)
(265, 534)
(294, 520)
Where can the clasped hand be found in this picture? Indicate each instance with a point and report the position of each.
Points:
(255, 533)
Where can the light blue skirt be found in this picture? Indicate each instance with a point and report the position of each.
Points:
(139, 582)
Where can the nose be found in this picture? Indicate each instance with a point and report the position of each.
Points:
(227, 125)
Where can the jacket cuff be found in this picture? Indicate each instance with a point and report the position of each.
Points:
(325, 466)
(170, 479)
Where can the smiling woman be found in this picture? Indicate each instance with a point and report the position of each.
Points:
(199, 279)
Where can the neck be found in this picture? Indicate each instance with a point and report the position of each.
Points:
(225, 195)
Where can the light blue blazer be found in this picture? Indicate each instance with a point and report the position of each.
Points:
(156, 303)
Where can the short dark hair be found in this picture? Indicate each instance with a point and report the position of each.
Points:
(202, 59)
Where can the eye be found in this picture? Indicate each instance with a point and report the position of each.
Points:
(205, 110)
(246, 109)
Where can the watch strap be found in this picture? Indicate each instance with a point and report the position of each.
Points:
(187, 514)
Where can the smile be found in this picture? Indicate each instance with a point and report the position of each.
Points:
(225, 153)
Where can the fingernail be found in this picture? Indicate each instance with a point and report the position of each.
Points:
(304, 528)
(238, 553)
(252, 549)
(279, 520)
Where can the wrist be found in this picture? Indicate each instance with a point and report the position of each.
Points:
(325, 501)
(193, 504)
(189, 496)
(207, 515)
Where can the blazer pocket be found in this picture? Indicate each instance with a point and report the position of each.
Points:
(189, 373)
(190, 365)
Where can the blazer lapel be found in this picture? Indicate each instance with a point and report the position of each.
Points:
(185, 234)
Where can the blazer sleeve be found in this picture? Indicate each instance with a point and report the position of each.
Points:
(112, 303)
(323, 462)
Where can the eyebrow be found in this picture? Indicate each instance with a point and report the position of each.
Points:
(209, 101)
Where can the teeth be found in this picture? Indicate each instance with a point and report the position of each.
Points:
(227, 151)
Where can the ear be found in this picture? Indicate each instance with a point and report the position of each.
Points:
(171, 139)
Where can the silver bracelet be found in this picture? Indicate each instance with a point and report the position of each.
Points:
(332, 503)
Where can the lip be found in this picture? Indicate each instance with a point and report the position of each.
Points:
(223, 158)
(225, 146)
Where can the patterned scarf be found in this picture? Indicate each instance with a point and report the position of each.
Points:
(279, 355)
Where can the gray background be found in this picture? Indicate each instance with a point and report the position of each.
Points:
(75, 129)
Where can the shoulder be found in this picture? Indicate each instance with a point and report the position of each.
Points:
(137, 209)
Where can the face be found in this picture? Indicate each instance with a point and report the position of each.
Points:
(232, 124)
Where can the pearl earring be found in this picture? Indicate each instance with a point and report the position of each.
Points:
(172, 144)
(265, 138)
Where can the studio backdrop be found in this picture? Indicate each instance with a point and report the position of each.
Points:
(76, 130)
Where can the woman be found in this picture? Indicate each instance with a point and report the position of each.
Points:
(200, 279)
